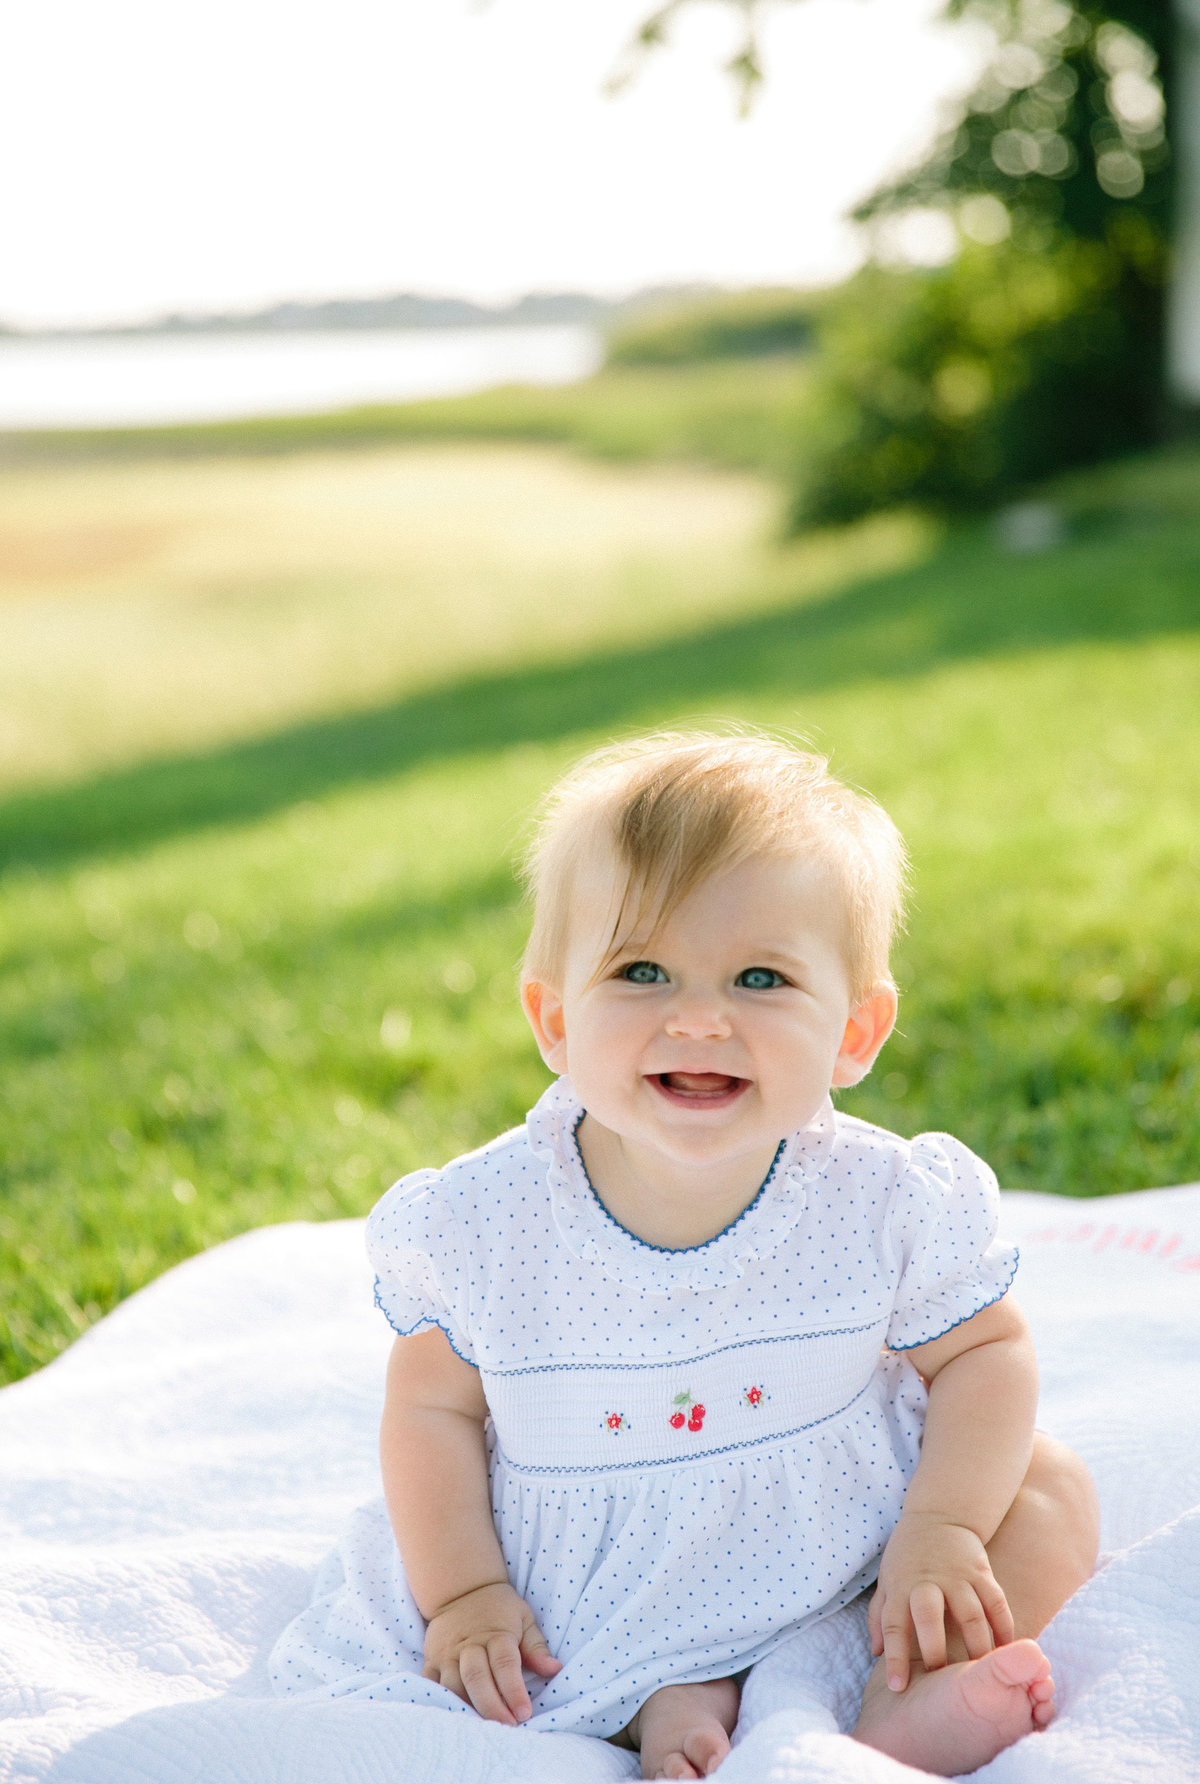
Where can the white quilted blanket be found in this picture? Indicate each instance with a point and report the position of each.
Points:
(169, 1485)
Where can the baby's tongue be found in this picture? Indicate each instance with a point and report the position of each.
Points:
(699, 1082)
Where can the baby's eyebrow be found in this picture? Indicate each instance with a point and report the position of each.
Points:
(777, 957)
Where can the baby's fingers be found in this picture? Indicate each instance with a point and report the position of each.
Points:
(536, 1655)
(875, 1620)
(995, 1606)
(964, 1606)
(896, 1638)
(505, 1660)
(446, 1676)
(479, 1686)
(928, 1608)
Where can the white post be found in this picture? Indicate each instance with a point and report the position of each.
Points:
(1183, 314)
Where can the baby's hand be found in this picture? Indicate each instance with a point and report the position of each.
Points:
(476, 1647)
(932, 1570)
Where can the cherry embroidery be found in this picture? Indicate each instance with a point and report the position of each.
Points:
(686, 1409)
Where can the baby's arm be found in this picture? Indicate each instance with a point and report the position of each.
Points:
(435, 1481)
(976, 1450)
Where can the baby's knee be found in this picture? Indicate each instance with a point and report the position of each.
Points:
(1059, 1494)
(1045, 1549)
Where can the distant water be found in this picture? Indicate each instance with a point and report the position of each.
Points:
(128, 380)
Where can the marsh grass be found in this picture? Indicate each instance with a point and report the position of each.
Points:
(739, 414)
(259, 980)
(170, 605)
(159, 607)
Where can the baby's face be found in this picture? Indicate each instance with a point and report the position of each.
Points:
(721, 1032)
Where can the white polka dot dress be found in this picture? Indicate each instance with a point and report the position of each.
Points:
(693, 1452)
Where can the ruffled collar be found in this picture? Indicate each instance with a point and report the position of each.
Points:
(589, 1231)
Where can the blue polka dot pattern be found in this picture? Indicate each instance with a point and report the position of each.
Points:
(663, 1521)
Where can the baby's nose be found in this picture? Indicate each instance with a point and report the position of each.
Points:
(698, 1016)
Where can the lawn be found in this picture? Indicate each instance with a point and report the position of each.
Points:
(258, 921)
(171, 605)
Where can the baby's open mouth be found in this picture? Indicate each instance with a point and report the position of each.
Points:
(700, 1087)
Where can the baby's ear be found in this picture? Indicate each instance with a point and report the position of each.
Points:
(866, 1031)
(543, 1006)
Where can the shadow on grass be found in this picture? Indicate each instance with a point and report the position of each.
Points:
(968, 603)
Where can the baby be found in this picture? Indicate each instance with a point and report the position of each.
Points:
(691, 1360)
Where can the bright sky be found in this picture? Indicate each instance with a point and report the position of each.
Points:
(212, 154)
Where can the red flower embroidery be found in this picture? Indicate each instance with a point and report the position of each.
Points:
(755, 1396)
(615, 1422)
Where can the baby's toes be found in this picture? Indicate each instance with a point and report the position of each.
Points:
(705, 1749)
(1041, 1700)
(677, 1765)
(1042, 1707)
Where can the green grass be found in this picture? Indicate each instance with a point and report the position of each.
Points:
(257, 980)
(166, 606)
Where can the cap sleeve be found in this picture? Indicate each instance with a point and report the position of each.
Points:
(943, 1234)
(415, 1248)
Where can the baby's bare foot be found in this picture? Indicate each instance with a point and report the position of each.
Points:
(959, 1717)
(684, 1730)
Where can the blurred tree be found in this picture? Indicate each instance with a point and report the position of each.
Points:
(1064, 139)
(1045, 342)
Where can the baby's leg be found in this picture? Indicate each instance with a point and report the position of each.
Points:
(957, 1718)
(683, 1730)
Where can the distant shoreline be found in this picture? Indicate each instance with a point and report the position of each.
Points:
(403, 309)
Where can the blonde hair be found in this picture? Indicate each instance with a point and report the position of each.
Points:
(675, 809)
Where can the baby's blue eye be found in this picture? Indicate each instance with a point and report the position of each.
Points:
(759, 978)
(643, 972)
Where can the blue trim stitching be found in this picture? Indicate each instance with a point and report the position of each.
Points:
(954, 1324)
(725, 1449)
(673, 1250)
(685, 1362)
(422, 1325)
